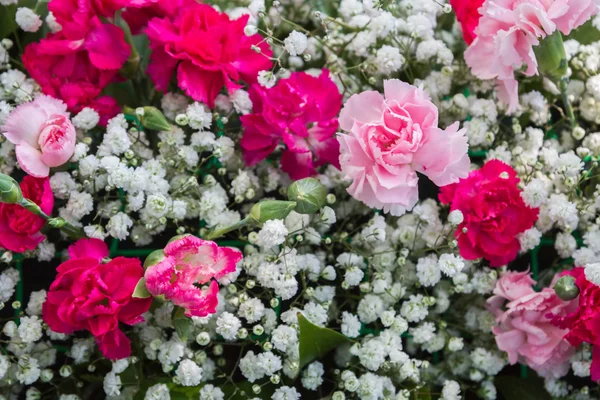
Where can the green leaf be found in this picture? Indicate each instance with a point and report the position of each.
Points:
(229, 390)
(316, 342)
(182, 323)
(184, 393)
(141, 292)
(8, 23)
(512, 387)
(586, 33)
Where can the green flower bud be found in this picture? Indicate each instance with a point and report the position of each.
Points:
(309, 193)
(271, 209)
(551, 57)
(10, 191)
(566, 288)
(177, 237)
(154, 258)
(154, 119)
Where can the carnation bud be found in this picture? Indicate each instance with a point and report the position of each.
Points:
(551, 57)
(154, 258)
(154, 119)
(566, 288)
(271, 209)
(309, 194)
(10, 191)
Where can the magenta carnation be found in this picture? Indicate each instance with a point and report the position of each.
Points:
(20, 228)
(391, 138)
(494, 213)
(77, 63)
(302, 112)
(524, 330)
(189, 261)
(207, 49)
(95, 296)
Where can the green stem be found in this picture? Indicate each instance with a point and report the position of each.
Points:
(60, 223)
(566, 103)
(19, 291)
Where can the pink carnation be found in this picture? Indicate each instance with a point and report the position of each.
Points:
(524, 330)
(20, 228)
(302, 112)
(207, 49)
(392, 138)
(95, 296)
(77, 63)
(189, 261)
(583, 324)
(494, 213)
(509, 29)
(43, 134)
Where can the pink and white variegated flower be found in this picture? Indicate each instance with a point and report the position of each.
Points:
(189, 261)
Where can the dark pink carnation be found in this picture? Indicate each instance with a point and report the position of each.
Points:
(95, 296)
(140, 12)
(467, 14)
(77, 63)
(189, 261)
(524, 330)
(207, 49)
(20, 228)
(494, 213)
(583, 324)
(302, 112)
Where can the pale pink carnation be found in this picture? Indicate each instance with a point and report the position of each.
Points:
(188, 261)
(523, 328)
(509, 29)
(43, 134)
(392, 138)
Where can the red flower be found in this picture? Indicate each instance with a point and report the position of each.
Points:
(467, 13)
(77, 63)
(584, 323)
(19, 228)
(302, 112)
(88, 294)
(207, 49)
(494, 213)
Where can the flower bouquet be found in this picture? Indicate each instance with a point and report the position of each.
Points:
(345, 199)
